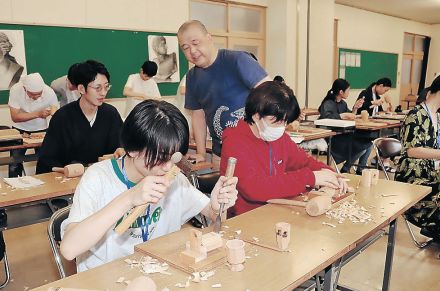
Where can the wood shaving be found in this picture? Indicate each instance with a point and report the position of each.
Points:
(126, 282)
(225, 226)
(196, 278)
(149, 265)
(350, 210)
(183, 285)
(388, 195)
(255, 239)
(238, 232)
(204, 276)
(218, 285)
(120, 280)
(328, 224)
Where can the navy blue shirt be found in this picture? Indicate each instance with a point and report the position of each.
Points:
(221, 90)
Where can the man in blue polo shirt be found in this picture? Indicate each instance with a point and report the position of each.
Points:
(217, 86)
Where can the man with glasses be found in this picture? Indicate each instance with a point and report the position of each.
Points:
(30, 102)
(86, 129)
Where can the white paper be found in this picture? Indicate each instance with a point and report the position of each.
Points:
(342, 59)
(342, 73)
(358, 60)
(353, 59)
(23, 182)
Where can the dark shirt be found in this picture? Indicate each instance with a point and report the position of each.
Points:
(71, 139)
(367, 94)
(332, 109)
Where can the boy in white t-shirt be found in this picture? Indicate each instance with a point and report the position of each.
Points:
(108, 190)
(141, 86)
(30, 102)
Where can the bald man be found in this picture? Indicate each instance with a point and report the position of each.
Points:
(216, 87)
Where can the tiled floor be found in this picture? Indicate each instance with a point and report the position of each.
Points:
(32, 263)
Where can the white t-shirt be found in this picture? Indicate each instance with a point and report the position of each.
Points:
(18, 99)
(60, 87)
(148, 87)
(100, 184)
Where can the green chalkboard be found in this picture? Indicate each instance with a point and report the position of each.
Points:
(51, 50)
(370, 67)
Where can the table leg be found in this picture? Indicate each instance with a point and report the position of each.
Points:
(389, 255)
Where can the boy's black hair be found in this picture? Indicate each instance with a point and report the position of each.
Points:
(72, 73)
(272, 98)
(87, 71)
(157, 128)
(149, 68)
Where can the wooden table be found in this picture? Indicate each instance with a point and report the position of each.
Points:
(32, 205)
(20, 144)
(314, 246)
(310, 112)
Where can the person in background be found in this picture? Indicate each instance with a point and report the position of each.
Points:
(85, 129)
(334, 107)
(372, 97)
(141, 86)
(64, 88)
(108, 190)
(216, 87)
(30, 105)
(269, 164)
(420, 160)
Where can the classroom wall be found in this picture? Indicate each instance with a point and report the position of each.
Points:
(360, 29)
(281, 40)
(434, 56)
(146, 15)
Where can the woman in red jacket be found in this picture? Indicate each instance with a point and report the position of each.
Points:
(270, 165)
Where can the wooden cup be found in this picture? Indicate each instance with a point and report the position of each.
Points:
(364, 115)
(366, 178)
(235, 254)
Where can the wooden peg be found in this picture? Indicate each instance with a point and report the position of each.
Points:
(282, 232)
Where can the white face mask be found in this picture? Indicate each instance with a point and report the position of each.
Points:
(269, 133)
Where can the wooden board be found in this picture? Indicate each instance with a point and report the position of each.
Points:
(34, 138)
(9, 134)
(307, 131)
(168, 249)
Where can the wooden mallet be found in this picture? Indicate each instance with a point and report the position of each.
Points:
(140, 209)
(70, 171)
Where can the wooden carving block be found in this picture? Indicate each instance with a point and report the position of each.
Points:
(235, 254)
(195, 251)
(105, 157)
(212, 241)
(318, 205)
(73, 170)
(282, 232)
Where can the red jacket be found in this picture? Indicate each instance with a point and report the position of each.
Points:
(266, 170)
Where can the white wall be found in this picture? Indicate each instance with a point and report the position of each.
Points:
(320, 50)
(145, 15)
(360, 29)
(434, 56)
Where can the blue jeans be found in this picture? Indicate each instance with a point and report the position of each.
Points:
(363, 159)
